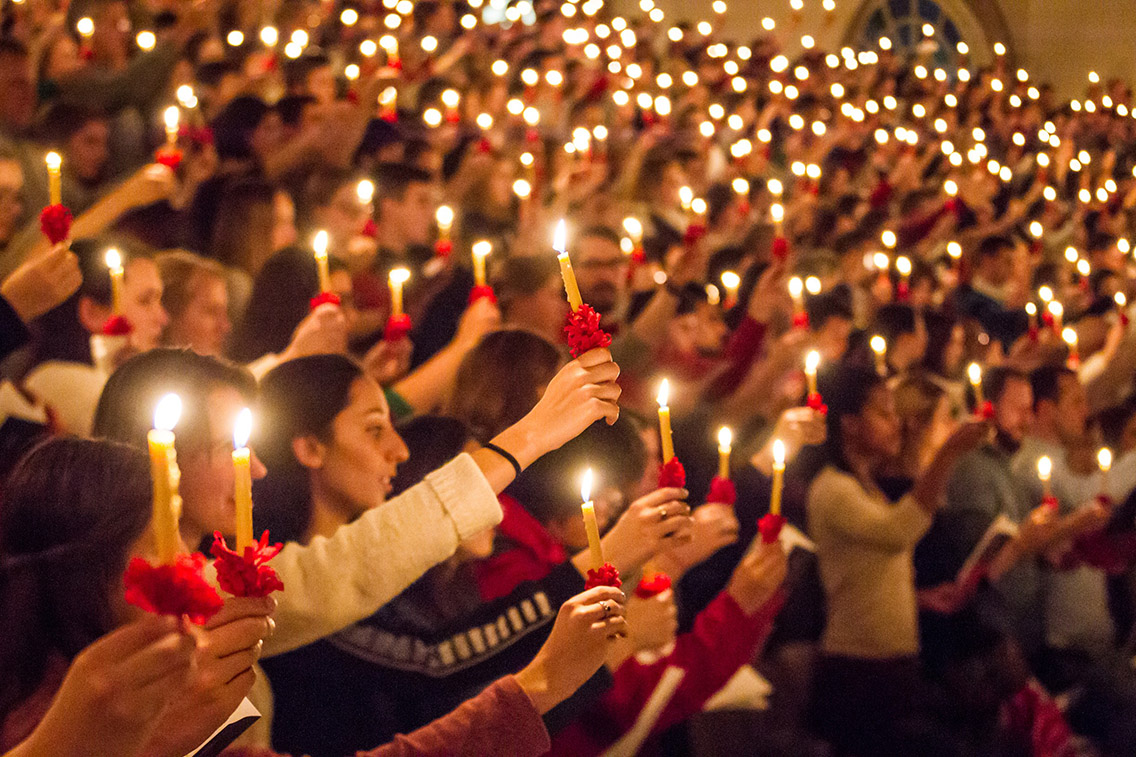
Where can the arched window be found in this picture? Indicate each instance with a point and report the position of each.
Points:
(902, 22)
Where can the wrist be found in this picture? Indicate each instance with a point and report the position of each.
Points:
(533, 680)
(520, 441)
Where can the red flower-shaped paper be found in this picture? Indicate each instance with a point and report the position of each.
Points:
(694, 232)
(583, 332)
(390, 116)
(117, 325)
(1049, 501)
(55, 223)
(903, 291)
(169, 157)
(370, 229)
(484, 147)
(653, 586)
(986, 411)
(769, 526)
(398, 326)
(638, 255)
(1123, 319)
(172, 589)
(722, 491)
(672, 474)
(801, 320)
(443, 248)
(482, 291)
(816, 402)
(603, 576)
(325, 298)
(780, 249)
(1034, 333)
(246, 575)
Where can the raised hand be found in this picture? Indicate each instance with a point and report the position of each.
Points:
(758, 576)
(652, 524)
(44, 281)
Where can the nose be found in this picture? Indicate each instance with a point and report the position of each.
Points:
(399, 451)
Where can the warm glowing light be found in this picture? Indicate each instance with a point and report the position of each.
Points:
(1044, 468)
(778, 453)
(878, 344)
(167, 413)
(1104, 459)
(242, 428)
(664, 393)
(974, 374)
(560, 237)
(586, 485)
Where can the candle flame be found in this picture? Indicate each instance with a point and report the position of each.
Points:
(778, 453)
(888, 238)
(1031, 309)
(482, 248)
(167, 412)
(113, 259)
(1069, 336)
(725, 437)
(1045, 294)
(731, 280)
(903, 265)
(586, 485)
(560, 237)
(171, 117)
(1044, 467)
(242, 428)
(812, 285)
(777, 212)
(954, 249)
(1056, 309)
(319, 244)
(878, 344)
(664, 393)
(365, 190)
(1120, 299)
(974, 373)
(812, 361)
(1104, 459)
(633, 226)
(796, 287)
(881, 261)
(53, 160)
(399, 275)
(445, 216)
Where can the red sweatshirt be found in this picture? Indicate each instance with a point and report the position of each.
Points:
(722, 640)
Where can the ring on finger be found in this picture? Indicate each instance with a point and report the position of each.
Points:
(606, 608)
(662, 513)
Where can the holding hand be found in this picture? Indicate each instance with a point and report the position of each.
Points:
(653, 621)
(576, 648)
(42, 282)
(714, 525)
(322, 332)
(652, 524)
(758, 576)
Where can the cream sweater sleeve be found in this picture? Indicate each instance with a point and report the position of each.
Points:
(334, 582)
(839, 502)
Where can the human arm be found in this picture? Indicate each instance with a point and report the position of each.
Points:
(653, 523)
(41, 283)
(931, 487)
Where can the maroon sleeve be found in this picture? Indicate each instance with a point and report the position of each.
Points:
(500, 720)
(739, 354)
(722, 640)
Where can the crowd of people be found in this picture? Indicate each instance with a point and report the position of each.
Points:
(900, 275)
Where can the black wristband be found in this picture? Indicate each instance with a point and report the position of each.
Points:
(512, 460)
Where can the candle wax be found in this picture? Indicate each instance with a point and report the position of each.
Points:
(242, 479)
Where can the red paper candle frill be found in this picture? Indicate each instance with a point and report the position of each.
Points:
(168, 156)
(816, 402)
(1123, 319)
(694, 232)
(1049, 501)
(246, 575)
(1034, 333)
(606, 575)
(370, 229)
(443, 248)
(482, 291)
(986, 411)
(117, 325)
(672, 474)
(55, 222)
(769, 526)
(583, 332)
(653, 586)
(177, 588)
(780, 248)
(801, 319)
(325, 298)
(638, 255)
(398, 326)
(903, 291)
(722, 490)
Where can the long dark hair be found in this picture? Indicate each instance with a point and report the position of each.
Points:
(71, 509)
(846, 390)
(58, 333)
(299, 398)
(281, 297)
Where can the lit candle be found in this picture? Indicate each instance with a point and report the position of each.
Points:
(797, 292)
(777, 213)
(560, 244)
(731, 281)
(879, 349)
(319, 244)
(171, 117)
(398, 277)
(388, 104)
(114, 263)
(686, 197)
(974, 373)
(903, 266)
(812, 363)
(725, 439)
(1031, 313)
(242, 479)
(54, 163)
(665, 422)
(1121, 305)
(1044, 472)
(365, 191)
(1057, 312)
(590, 525)
(164, 472)
(1070, 338)
(778, 476)
(1104, 460)
(480, 251)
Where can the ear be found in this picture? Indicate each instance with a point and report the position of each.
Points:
(92, 315)
(309, 451)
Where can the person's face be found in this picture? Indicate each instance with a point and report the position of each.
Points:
(543, 311)
(1072, 409)
(204, 323)
(1013, 412)
(875, 432)
(832, 338)
(11, 203)
(414, 214)
(142, 303)
(283, 221)
(16, 92)
(955, 350)
(321, 85)
(207, 486)
(267, 136)
(910, 348)
(601, 272)
(673, 180)
(88, 150)
(344, 216)
(112, 32)
(63, 58)
(357, 465)
(998, 268)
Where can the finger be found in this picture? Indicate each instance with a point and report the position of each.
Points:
(597, 594)
(603, 373)
(616, 629)
(241, 607)
(235, 636)
(133, 637)
(228, 668)
(601, 611)
(609, 391)
(163, 658)
(592, 358)
(665, 496)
